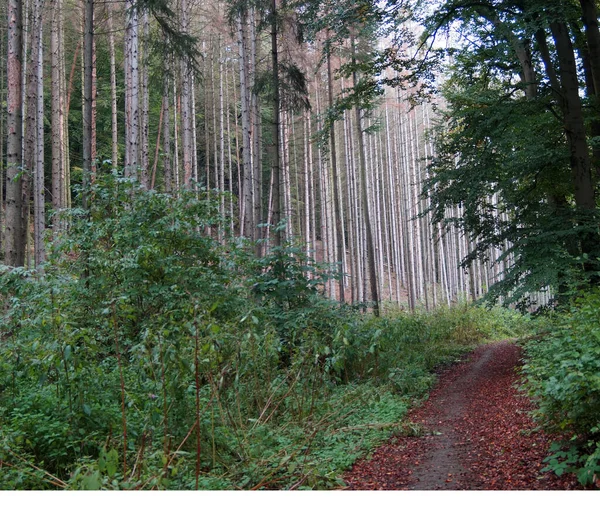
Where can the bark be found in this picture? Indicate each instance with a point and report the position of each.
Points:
(14, 246)
(573, 118)
(540, 38)
(113, 90)
(132, 128)
(167, 168)
(334, 172)
(256, 133)
(30, 146)
(88, 44)
(39, 213)
(145, 113)
(365, 199)
(157, 147)
(592, 68)
(3, 56)
(592, 32)
(275, 154)
(221, 139)
(186, 106)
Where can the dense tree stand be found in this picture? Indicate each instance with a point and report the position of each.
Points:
(477, 435)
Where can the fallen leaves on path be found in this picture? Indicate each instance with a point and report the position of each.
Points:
(478, 435)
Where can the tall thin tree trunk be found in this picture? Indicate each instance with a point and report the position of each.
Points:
(39, 212)
(365, 197)
(334, 171)
(132, 127)
(186, 106)
(113, 89)
(276, 148)
(14, 247)
(88, 52)
(145, 113)
(246, 201)
(167, 164)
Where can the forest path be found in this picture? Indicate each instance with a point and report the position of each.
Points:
(477, 435)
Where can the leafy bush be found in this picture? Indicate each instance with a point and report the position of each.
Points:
(148, 355)
(563, 375)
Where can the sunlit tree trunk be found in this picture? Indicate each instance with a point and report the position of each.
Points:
(132, 126)
(186, 105)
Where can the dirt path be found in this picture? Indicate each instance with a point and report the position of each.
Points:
(478, 435)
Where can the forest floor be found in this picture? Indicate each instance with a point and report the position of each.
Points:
(477, 435)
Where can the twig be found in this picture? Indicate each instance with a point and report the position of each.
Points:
(56, 481)
(197, 379)
(123, 416)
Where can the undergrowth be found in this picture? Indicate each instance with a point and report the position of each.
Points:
(563, 374)
(149, 356)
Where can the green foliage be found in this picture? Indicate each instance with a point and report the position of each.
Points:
(563, 375)
(484, 148)
(143, 330)
(502, 171)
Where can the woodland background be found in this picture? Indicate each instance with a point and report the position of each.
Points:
(222, 220)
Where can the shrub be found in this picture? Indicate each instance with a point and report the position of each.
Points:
(148, 355)
(563, 375)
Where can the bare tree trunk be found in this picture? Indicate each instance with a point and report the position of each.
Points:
(157, 147)
(59, 132)
(88, 65)
(176, 181)
(195, 175)
(14, 247)
(246, 213)
(186, 106)
(31, 92)
(221, 139)
(365, 198)
(256, 131)
(3, 57)
(276, 148)
(39, 212)
(113, 89)
(167, 163)
(132, 127)
(145, 113)
(336, 199)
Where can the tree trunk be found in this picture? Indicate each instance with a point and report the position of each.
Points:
(88, 51)
(590, 20)
(145, 113)
(365, 197)
(246, 210)
(573, 118)
(14, 247)
(336, 197)
(39, 213)
(132, 128)
(275, 154)
(167, 168)
(113, 89)
(186, 106)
